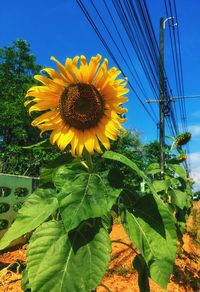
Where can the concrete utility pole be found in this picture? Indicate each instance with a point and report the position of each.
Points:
(162, 97)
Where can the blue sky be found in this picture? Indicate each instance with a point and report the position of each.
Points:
(59, 28)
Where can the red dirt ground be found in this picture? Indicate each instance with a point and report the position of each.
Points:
(121, 277)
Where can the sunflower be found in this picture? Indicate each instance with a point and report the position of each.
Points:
(81, 103)
(183, 139)
(182, 158)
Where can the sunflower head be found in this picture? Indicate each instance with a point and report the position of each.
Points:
(182, 158)
(183, 139)
(81, 104)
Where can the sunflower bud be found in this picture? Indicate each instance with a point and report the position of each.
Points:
(183, 139)
(182, 158)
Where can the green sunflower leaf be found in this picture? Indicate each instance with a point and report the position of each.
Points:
(161, 185)
(67, 172)
(123, 159)
(178, 169)
(178, 198)
(150, 227)
(59, 263)
(88, 195)
(35, 210)
(47, 173)
(143, 280)
(25, 282)
(107, 221)
(153, 168)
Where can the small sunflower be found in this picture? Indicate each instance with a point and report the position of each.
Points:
(81, 104)
(182, 158)
(183, 139)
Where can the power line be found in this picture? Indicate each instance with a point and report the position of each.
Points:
(134, 18)
(89, 18)
(177, 64)
(137, 78)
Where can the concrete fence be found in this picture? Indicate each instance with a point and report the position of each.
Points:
(13, 191)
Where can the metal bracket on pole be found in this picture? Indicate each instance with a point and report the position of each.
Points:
(169, 18)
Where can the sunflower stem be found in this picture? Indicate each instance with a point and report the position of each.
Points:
(88, 159)
(172, 147)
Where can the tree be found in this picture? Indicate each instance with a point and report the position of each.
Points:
(151, 153)
(17, 68)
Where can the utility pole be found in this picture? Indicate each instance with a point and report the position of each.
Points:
(162, 97)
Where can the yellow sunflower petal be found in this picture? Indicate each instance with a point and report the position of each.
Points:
(42, 95)
(122, 91)
(84, 70)
(44, 105)
(100, 72)
(118, 109)
(74, 142)
(49, 82)
(52, 73)
(65, 138)
(111, 131)
(28, 102)
(44, 128)
(71, 68)
(62, 70)
(55, 134)
(39, 89)
(93, 66)
(89, 140)
(97, 146)
(46, 117)
(102, 137)
(80, 145)
(118, 100)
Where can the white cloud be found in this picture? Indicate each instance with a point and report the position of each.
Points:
(195, 130)
(195, 169)
(195, 158)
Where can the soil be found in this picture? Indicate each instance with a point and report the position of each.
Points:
(120, 277)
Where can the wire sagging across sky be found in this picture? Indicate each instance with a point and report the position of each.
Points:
(126, 31)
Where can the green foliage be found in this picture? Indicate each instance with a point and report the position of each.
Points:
(70, 218)
(78, 260)
(152, 233)
(143, 280)
(73, 220)
(178, 198)
(17, 68)
(37, 208)
(151, 153)
(83, 196)
(130, 146)
(194, 226)
(150, 226)
(175, 190)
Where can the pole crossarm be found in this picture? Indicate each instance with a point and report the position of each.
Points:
(173, 98)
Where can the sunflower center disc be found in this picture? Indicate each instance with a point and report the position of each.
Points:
(81, 106)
